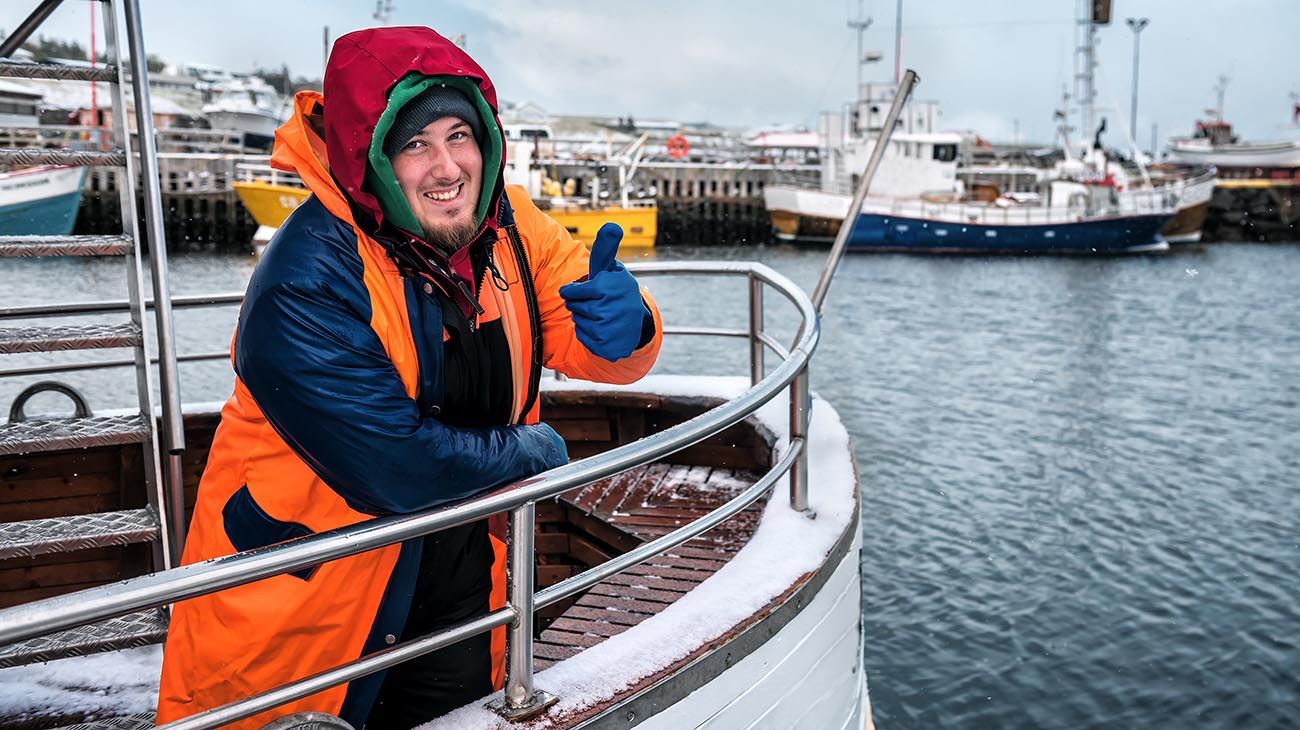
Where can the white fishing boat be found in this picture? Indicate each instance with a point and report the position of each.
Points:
(1214, 143)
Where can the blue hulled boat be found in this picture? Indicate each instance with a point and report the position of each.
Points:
(1076, 218)
(1097, 220)
(40, 200)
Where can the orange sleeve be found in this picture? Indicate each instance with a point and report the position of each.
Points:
(558, 260)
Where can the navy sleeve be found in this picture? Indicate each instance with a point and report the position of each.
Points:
(318, 371)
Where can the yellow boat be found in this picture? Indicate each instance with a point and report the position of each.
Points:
(270, 202)
(639, 222)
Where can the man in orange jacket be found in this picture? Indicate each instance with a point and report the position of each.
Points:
(388, 354)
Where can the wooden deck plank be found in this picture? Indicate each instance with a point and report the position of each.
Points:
(609, 505)
(637, 592)
(599, 628)
(604, 615)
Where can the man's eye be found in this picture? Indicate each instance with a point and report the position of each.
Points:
(413, 144)
(457, 136)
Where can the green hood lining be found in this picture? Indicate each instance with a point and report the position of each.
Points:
(382, 181)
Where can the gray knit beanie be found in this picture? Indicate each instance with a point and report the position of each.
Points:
(432, 104)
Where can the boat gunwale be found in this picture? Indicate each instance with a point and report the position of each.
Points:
(673, 683)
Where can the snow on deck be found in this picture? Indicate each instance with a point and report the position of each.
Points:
(785, 546)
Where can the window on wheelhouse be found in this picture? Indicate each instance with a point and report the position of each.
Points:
(945, 152)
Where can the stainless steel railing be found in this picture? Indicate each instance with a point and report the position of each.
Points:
(46, 616)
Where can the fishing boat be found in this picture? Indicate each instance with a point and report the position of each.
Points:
(529, 155)
(269, 195)
(1084, 206)
(41, 200)
(1214, 143)
(1255, 196)
(696, 564)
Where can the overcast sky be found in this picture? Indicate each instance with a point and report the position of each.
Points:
(990, 64)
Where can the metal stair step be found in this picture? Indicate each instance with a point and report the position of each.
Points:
(68, 337)
(14, 70)
(30, 538)
(34, 246)
(138, 721)
(134, 629)
(26, 437)
(43, 156)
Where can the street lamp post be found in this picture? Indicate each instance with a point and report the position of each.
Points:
(1136, 25)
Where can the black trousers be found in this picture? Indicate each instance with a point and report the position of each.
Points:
(453, 586)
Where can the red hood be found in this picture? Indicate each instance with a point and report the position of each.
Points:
(362, 68)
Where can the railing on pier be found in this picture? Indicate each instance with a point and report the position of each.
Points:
(159, 589)
(169, 139)
(263, 172)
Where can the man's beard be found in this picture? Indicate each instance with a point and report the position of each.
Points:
(451, 239)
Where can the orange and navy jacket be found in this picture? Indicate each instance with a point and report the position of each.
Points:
(334, 415)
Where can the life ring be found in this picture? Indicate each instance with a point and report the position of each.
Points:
(678, 146)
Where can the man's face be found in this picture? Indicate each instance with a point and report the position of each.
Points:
(440, 171)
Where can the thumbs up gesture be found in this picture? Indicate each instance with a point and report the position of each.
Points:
(609, 317)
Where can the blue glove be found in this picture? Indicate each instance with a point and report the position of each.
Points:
(609, 317)
(545, 446)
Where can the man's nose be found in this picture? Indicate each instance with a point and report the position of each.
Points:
(443, 166)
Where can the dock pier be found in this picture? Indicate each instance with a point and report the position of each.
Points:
(699, 203)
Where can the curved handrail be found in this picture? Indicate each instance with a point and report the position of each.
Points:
(157, 589)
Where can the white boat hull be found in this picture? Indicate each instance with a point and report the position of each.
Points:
(809, 675)
(1277, 154)
(254, 123)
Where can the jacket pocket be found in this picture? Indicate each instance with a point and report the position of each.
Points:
(249, 527)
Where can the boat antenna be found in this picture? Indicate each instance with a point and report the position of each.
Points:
(864, 184)
(1220, 89)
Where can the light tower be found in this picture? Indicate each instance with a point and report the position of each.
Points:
(1136, 25)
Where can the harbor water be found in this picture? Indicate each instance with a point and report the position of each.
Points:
(1081, 477)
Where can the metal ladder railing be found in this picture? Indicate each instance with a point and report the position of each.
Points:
(160, 523)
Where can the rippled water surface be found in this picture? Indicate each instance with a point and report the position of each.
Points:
(1081, 477)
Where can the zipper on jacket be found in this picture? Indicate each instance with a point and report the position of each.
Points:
(534, 317)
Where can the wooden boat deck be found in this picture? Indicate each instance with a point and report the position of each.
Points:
(646, 503)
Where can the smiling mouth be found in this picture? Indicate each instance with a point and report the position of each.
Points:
(445, 195)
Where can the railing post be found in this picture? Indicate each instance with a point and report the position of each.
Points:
(521, 701)
(800, 405)
(756, 348)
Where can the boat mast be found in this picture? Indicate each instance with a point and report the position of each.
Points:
(1220, 88)
(898, 43)
(860, 24)
(1091, 13)
(1062, 115)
